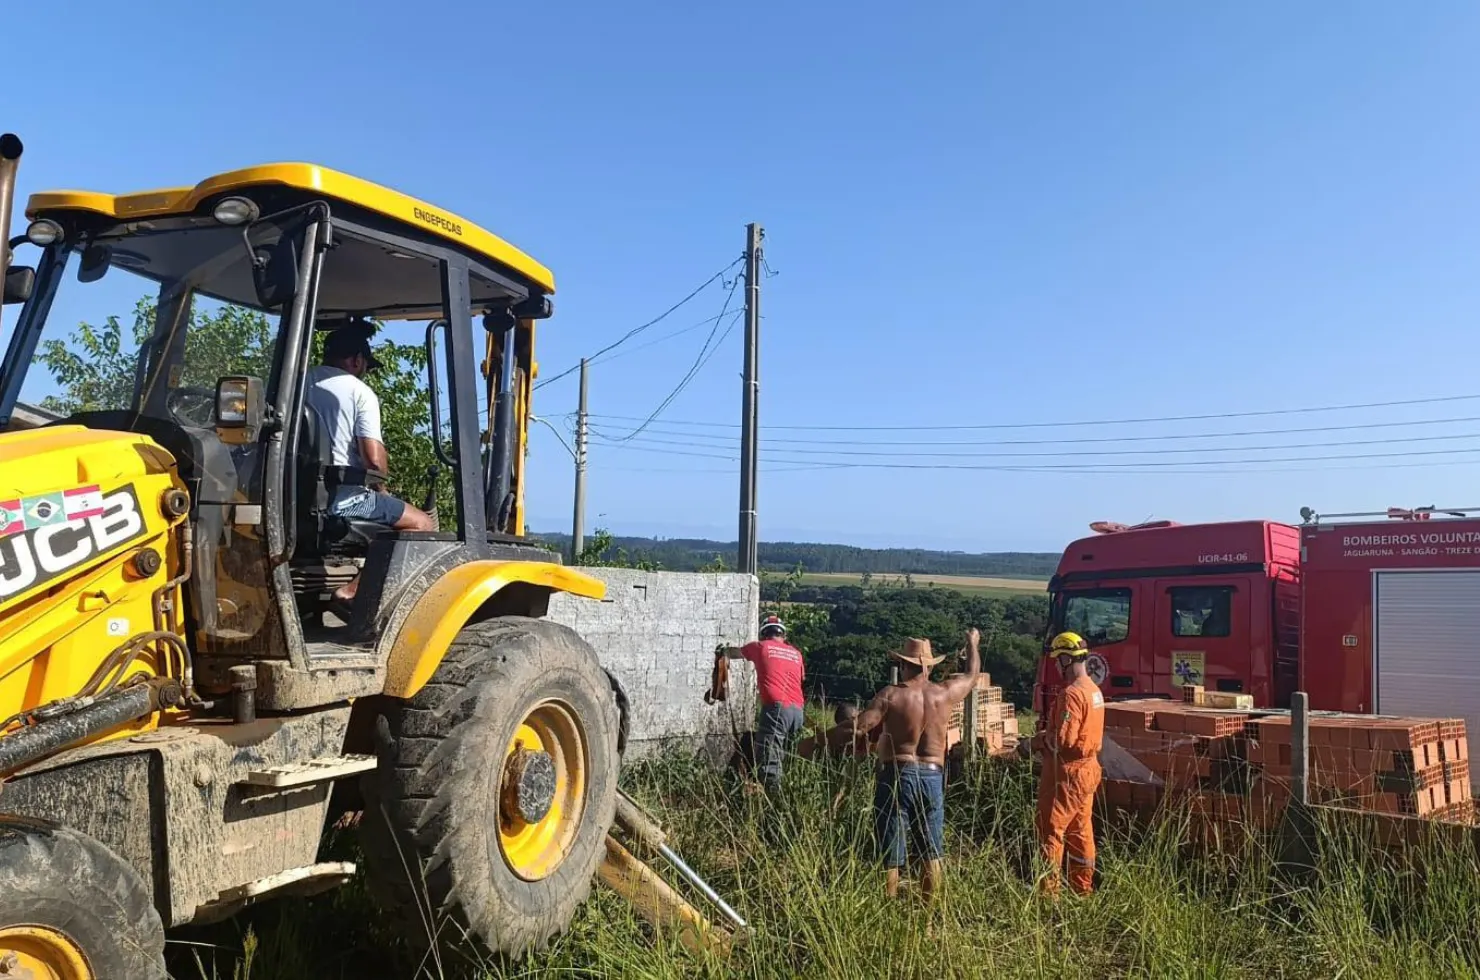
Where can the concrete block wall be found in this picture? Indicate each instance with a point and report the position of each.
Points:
(656, 633)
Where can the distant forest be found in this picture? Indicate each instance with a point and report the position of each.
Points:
(694, 554)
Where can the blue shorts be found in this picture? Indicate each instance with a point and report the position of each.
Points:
(909, 799)
(365, 504)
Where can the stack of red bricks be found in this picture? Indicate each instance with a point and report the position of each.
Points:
(1191, 751)
(1412, 766)
(1235, 766)
(996, 719)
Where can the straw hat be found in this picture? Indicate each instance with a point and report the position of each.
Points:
(917, 652)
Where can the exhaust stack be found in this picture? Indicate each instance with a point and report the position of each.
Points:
(11, 148)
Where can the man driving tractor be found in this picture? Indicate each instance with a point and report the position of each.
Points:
(350, 412)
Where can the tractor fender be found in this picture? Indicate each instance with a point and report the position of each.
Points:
(455, 599)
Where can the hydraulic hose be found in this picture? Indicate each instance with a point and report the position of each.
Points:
(23, 747)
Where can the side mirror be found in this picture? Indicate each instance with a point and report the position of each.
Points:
(275, 272)
(95, 262)
(20, 282)
(238, 409)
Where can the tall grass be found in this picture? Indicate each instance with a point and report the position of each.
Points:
(802, 873)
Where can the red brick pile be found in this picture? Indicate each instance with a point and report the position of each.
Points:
(996, 719)
(1235, 766)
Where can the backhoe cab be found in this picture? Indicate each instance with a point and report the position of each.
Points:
(177, 705)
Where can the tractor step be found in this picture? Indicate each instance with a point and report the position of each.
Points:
(313, 771)
(302, 882)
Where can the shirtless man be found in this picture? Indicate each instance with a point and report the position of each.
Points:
(909, 790)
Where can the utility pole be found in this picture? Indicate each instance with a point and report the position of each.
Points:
(749, 415)
(578, 520)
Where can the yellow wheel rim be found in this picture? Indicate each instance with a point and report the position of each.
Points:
(41, 953)
(538, 822)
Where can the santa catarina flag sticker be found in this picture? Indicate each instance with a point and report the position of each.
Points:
(11, 521)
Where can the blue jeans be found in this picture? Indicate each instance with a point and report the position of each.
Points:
(780, 726)
(909, 798)
(365, 504)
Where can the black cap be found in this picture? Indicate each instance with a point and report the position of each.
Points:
(349, 341)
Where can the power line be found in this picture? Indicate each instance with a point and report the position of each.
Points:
(1089, 469)
(1073, 453)
(639, 329)
(663, 339)
(1082, 440)
(694, 369)
(1144, 465)
(1262, 413)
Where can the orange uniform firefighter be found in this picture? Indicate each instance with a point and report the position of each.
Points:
(1070, 745)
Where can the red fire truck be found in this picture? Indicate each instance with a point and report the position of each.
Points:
(1370, 613)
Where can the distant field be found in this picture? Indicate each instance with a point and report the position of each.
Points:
(981, 585)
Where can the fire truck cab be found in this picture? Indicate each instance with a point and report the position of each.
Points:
(1165, 604)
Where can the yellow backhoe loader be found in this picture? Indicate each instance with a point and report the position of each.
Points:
(179, 714)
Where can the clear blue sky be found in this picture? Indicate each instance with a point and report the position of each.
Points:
(978, 214)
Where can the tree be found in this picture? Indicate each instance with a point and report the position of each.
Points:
(95, 366)
(94, 369)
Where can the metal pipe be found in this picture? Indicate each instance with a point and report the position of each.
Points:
(281, 492)
(502, 449)
(11, 148)
(692, 877)
(243, 693)
(23, 747)
(647, 831)
(656, 901)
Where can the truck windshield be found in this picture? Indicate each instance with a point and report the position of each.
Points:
(1101, 616)
(154, 333)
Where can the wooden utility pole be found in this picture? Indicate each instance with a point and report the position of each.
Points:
(749, 415)
(578, 519)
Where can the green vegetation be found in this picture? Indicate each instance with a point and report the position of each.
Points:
(94, 370)
(973, 584)
(698, 554)
(815, 902)
(847, 633)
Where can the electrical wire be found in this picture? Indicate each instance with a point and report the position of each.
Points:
(639, 329)
(1071, 453)
(1261, 413)
(1150, 466)
(705, 353)
(659, 340)
(1083, 440)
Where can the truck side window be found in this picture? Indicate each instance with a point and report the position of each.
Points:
(1202, 611)
(1099, 615)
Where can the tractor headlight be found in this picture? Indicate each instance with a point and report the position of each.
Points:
(235, 211)
(43, 232)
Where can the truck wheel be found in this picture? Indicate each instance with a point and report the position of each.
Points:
(71, 909)
(496, 788)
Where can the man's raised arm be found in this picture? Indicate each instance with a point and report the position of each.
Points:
(959, 686)
(873, 716)
(732, 652)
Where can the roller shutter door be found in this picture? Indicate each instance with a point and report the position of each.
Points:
(1428, 646)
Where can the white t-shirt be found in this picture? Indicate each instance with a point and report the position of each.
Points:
(350, 411)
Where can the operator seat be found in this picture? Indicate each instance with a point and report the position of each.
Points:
(329, 533)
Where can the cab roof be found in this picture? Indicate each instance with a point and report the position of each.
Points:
(309, 178)
(1172, 549)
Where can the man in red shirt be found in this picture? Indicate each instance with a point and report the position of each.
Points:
(779, 672)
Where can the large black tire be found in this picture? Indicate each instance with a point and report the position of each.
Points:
(431, 829)
(79, 893)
